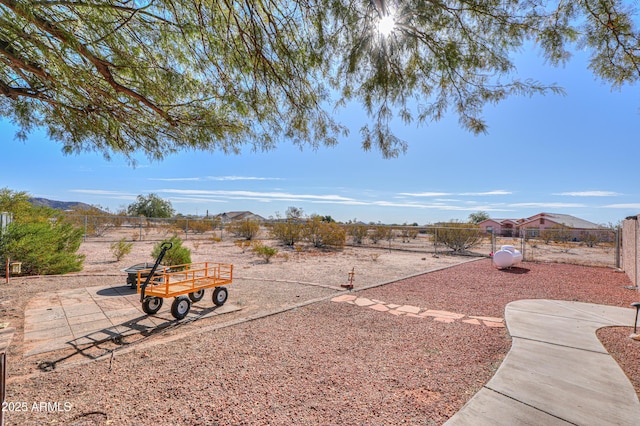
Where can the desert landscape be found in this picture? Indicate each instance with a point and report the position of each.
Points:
(296, 351)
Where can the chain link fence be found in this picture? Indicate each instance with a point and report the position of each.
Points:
(600, 247)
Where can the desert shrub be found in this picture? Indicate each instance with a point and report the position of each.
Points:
(408, 234)
(358, 233)
(264, 251)
(323, 234)
(458, 236)
(176, 255)
(288, 231)
(242, 244)
(44, 248)
(590, 239)
(121, 248)
(247, 229)
(381, 233)
(94, 221)
(195, 226)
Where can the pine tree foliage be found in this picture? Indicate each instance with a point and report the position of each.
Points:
(159, 76)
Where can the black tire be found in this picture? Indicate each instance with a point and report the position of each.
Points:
(197, 295)
(220, 295)
(151, 305)
(180, 307)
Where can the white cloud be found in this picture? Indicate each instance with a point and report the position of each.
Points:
(216, 178)
(426, 194)
(548, 205)
(495, 192)
(589, 194)
(623, 206)
(100, 192)
(442, 194)
(282, 196)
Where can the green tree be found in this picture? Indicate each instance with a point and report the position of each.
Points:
(117, 76)
(17, 203)
(478, 217)
(38, 237)
(150, 206)
(44, 248)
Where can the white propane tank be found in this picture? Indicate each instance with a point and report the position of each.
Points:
(507, 256)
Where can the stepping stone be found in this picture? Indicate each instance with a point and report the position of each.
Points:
(344, 298)
(397, 313)
(392, 306)
(491, 319)
(442, 314)
(379, 307)
(471, 321)
(409, 309)
(494, 324)
(380, 302)
(362, 301)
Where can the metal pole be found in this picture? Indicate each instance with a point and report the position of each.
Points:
(617, 237)
(493, 241)
(435, 241)
(635, 275)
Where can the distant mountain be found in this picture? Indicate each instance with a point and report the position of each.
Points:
(58, 205)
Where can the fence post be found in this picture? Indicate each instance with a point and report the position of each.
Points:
(435, 241)
(617, 237)
(524, 244)
(493, 242)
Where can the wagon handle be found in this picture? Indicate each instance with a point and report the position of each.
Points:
(164, 247)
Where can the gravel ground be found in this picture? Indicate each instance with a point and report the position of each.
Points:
(323, 363)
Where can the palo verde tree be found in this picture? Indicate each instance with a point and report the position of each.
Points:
(150, 206)
(157, 76)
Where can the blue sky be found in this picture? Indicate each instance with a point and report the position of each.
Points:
(577, 154)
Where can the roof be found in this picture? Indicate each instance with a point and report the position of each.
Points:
(566, 220)
(561, 219)
(240, 216)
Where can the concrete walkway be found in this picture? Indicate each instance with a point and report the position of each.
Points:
(557, 372)
(84, 316)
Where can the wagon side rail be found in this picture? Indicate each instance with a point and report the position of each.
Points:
(176, 280)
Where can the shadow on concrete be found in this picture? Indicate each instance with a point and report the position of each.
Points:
(123, 290)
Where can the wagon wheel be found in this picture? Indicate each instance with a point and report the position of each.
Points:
(220, 296)
(180, 307)
(196, 296)
(151, 305)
